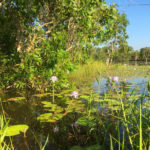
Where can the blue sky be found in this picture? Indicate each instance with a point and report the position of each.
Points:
(139, 19)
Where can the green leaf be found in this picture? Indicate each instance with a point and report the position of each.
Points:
(16, 99)
(76, 148)
(42, 95)
(50, 117)
(87, 121)
(15, 130)
(92, 147)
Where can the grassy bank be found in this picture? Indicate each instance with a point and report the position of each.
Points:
(85, 74)
(93, 70)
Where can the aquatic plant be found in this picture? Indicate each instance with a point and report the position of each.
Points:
(75, 94)
(53, 79)
(113, 119)
(7, 131)
(115, 78)
(56, 129)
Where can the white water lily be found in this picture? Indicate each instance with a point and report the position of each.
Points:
(53, 79)
(74, 94)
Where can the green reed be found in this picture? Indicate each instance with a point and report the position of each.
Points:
(140, 140)
(3, 125)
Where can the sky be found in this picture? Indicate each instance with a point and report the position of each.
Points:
(138, 15)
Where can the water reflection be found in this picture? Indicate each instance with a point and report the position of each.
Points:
(138, 83)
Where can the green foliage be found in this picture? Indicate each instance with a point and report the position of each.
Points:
(14, 130)
(40, 39)
(145, 54)
(51, 38)
(54, 112)
(110, 119)
(102, 116)
(93, 147)
(88, 121)
(16, 99)
(7, 130)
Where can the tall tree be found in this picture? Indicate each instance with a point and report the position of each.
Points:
(116, 34)
(46, 36)
(145, 54)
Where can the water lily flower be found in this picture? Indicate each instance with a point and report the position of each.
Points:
(74, 94)
(53, 79)
(115, 78)
(56, 129)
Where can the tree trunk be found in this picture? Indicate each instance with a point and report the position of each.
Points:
(112, 50)
(108, 58)
(146, 61)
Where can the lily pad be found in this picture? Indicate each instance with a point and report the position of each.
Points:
(15, 130)
(87, 121)
(16, 99)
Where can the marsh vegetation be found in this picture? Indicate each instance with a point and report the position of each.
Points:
(106, 112)
(66, 79)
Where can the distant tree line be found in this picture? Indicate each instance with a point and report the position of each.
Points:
(123, 54)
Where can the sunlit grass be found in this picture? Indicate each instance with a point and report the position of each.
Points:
(84, 74)
(94, 70)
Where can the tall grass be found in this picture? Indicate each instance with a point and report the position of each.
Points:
(140, 142)
(126, 113)
(86, 73)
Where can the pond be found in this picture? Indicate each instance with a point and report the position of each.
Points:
(26, 112)
(138, 83)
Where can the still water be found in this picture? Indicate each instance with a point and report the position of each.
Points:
(139, 83)
(26, 112)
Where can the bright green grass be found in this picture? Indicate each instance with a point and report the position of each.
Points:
(93, 70)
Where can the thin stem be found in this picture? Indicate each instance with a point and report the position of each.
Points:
(111, 143)
(125, 119)
(53, 94)
(5, 121)
(140, 127)
(119, 133)
(90, 105)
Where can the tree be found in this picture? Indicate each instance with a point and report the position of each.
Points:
(123, 52)
(115, 34)
(145, 54)
(48, 36)
(135, 55)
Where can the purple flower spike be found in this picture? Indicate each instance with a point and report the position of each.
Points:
(53, 79)
(115, 78)
(74, 94)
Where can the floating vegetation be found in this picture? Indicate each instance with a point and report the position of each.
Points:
(42, 95)
(14, 130)
(16, 99)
